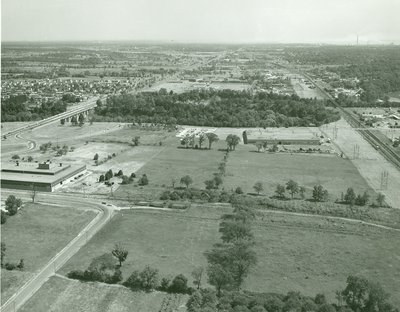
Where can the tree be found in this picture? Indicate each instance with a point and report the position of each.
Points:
(3, 253)
(12, 204)
(187, 180)
(33, 192)
(319, 193)
(350, 196)
(217, 180)
(365, 296)
(202, 138)
(219, 276)
(136, 140)
(15, 157)
(3, 217)
(143, 180)
(96, 157)
(280, 191)
(210, 184)
(258, 187)
(149, 278)
(302, 192)
(234, 231)
(238, 190)
(232, 140)
(30, 158)
(203, 300)
(197, 275)
(101, 178)
(179, 284)
(211, 137)
(109, 174)
(380, 199)
(81, 119)
(292, 187)
(74, 121)
(120, 173)
(120, 253)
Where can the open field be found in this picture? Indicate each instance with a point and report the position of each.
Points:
(36, 234)
(62, 295)
(246, 167)
(173, 163)
(311, 255)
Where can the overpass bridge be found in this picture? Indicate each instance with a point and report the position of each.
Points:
(81, 109)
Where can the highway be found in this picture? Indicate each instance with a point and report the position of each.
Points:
(105, 214)
(89, 104)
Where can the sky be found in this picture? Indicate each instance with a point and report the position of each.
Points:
(200, 21)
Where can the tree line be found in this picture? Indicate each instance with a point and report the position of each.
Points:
(217, 108)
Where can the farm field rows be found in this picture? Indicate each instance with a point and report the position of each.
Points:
(294, 253)
(36, 234)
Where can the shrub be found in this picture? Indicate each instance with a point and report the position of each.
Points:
(179, 285)
(76, 274)
(165, 195)
(10, 266)
(238, 190)
(3, 217)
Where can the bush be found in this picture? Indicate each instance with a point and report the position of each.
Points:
(3, 217)
(15, 157)
(10, 266)
(144, 180)
(179, 285)
(239, 190)
(165, 195)
(76, 274)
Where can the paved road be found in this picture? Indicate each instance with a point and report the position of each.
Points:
(104, 215)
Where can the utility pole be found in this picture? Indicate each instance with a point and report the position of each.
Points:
(384, 180)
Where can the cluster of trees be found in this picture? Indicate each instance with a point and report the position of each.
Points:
(360, 295)
(70, 98)
(16, 108)
(230, 262)
(60, 150)
(190, 140)
(104, 268)
(9, 265)
(107, 269)
(222, 108)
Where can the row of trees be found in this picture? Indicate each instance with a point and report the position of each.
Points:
(230, 262)
(189, 141)
(359, 295)
(105, 269)
(217, 108)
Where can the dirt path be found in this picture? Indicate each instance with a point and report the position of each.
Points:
(369, 162)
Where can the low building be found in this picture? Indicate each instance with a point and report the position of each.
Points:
(281, 137)
(43, 177)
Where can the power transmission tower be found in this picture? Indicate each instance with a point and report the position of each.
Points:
(384, 180)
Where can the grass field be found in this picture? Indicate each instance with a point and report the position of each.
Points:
(61, 295)
(310, 255)
(246, 167)
(36, 234)
(172, 162)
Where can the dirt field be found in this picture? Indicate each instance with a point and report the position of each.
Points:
(370, 163)
(62, 295)
(36, 234)
(293, 252)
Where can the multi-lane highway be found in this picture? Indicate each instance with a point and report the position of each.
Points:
(103, 216)
(77, 109)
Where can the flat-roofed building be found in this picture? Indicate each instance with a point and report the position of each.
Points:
(44, 177)
(282, 136)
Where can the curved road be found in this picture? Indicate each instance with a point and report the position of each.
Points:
(105, 214)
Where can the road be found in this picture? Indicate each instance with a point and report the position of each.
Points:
(89, 104)
(105, 214)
